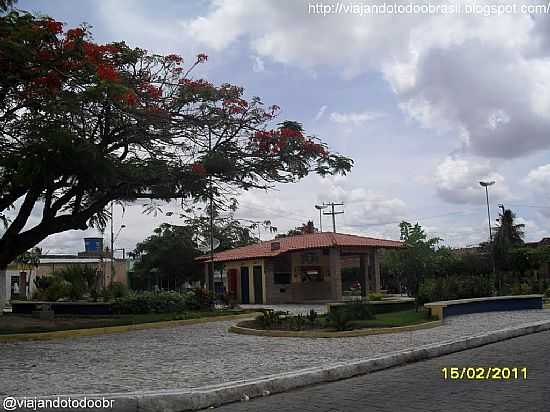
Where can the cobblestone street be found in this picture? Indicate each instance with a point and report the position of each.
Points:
(420, 386)
(198, 355)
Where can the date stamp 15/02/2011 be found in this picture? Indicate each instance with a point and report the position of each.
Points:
(484, 373)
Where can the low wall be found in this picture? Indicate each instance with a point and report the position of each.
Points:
(490, 304)
(63, 308)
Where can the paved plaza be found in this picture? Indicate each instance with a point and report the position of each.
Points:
(198, 355)
(420, 387)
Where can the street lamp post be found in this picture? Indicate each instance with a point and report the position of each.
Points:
(486, 185)
(320, 208)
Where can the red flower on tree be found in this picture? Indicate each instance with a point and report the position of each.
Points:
(201, 58)
(290, 133)
(174, 58)
(51, 81)
(153, 92)
(107, 72)
(74, 34)
(129, 98)
(198, 168)
(55, 27)
(44, 55)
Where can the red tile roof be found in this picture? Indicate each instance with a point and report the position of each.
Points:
(301, 242)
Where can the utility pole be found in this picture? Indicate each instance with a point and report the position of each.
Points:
(333, 213)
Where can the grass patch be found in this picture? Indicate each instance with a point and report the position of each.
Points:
(393, 319)
(11, 323)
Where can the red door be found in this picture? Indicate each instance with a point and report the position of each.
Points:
(232, 281)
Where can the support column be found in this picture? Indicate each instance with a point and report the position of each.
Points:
(364, 273)
(207, 286)
(335, 267)
(3, 290)
(377, 283)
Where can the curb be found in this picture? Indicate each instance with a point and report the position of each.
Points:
(73, 333)
(215, 395)
(344, 334)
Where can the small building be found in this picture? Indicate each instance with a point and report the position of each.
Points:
(20, 277)
(300, 268)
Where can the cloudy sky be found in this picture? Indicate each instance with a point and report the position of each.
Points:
(426, 105)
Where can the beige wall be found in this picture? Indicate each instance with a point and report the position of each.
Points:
(330, 288)
(120, 273)
(250, 264)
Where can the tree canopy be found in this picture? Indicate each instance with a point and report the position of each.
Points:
(417, 259)
(83, 124)
(306, 228)
(168, 255)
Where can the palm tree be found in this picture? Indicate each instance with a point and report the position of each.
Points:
(508, 234)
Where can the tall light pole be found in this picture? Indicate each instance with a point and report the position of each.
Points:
(320, 208)
(486, 185)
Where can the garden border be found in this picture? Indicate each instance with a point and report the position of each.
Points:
(336, 334)
(74, 333)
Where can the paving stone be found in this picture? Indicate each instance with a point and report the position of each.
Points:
(205, 354)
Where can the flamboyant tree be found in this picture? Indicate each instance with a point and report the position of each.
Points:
(83, 124)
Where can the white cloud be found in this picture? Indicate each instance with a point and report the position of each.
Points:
(258, 66)
(362, 207)
(457, 181)
(321, 112)
(355, 118)
(460, 73)
(539, 178)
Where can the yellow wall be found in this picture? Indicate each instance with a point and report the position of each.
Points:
(250, 264)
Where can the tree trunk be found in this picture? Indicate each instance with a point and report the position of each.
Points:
(3, 289)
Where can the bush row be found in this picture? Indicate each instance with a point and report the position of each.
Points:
(75, 283)
(163, 302)
(455, 287)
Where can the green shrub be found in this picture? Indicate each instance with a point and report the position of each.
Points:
(72, 282)
(298, 322)
(339, 319)
(106, 294)
(199, 299)
(376, 297)
(162, 302)
(118, 290)
(57, 289)
(270, 318)
(521, 289)
(312, 317)
(360, 311)
(455, 287)
(547, 293)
